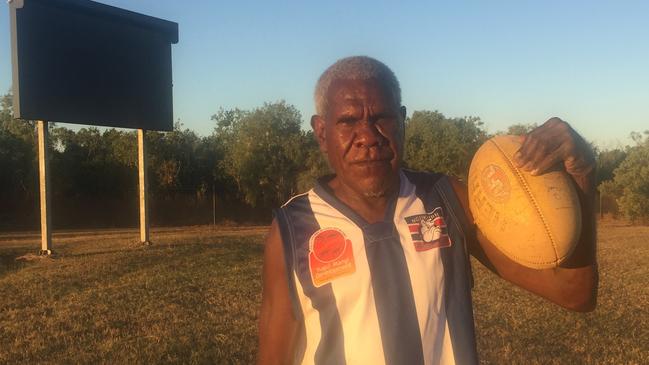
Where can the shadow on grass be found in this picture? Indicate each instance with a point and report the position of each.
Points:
(233, 249)
(230, 244)
(8, 262)
(242, 245)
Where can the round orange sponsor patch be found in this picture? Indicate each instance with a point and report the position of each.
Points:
(330, 256)
(328, 245)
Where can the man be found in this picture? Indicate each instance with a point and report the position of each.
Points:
(347, 279)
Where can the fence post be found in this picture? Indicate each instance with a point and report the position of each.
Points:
(213, 206)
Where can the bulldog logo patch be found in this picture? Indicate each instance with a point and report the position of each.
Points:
(330, 256)
(428, 230)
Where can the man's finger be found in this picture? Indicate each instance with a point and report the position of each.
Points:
(547, 162)
(533, 152)
(523, 156)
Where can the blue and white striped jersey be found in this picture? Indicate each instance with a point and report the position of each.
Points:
(392, 292)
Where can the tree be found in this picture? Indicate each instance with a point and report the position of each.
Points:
(436, 143)
(173, 161)
(90, 164)
(607, 162)
(18, 168)
(632, 178)
(609, 195)
(521, 128)
(23, 129)
(17, 165)
(315, 164)
(263, 151)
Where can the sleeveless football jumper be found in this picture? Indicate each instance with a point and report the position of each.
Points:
(396, 292)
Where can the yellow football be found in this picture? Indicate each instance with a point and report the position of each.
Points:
(533, 220)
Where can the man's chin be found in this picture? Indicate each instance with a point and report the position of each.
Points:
(378, 188)
(374, 194)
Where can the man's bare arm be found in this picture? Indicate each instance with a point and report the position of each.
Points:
(277, 324)
(573, 285)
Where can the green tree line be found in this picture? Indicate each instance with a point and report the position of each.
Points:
(253, 161)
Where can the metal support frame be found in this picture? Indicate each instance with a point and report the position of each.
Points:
(143, 182)
(44, 185)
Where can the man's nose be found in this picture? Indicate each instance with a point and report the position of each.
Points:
(368, 135)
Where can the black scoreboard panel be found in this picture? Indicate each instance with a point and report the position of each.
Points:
(78, 61)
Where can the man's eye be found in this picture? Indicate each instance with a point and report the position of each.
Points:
(346, 120)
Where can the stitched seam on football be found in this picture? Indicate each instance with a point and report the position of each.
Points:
(534, 203)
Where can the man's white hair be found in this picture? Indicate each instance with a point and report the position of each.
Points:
(355, 68)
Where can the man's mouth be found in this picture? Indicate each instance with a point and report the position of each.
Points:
(372, 162)
(372, 158)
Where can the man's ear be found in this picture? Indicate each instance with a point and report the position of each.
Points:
(318, 125)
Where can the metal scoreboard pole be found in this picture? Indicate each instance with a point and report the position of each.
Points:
(44, 184)
(143, 181)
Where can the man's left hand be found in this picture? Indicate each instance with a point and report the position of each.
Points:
(552, 144)
(573, 284)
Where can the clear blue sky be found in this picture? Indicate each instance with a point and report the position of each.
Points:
(504, 61)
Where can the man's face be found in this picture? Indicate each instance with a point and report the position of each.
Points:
(362, 135)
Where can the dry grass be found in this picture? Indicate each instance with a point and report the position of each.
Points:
(190, 298)
(515, 327)
(193, 298)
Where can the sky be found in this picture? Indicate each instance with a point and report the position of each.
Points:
(506, 62)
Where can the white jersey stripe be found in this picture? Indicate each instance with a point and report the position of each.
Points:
(352, 293)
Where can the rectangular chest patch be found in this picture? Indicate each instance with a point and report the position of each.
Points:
(428, 230)
(330, 256)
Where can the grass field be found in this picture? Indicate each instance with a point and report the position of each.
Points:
(193, 297)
